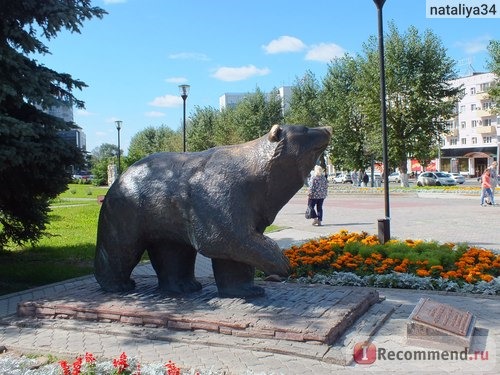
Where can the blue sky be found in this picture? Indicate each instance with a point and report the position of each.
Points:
(135, 57)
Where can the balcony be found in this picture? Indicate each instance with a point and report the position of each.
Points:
(452, 133)
(482, 112)
(486, 130)
(482, 96)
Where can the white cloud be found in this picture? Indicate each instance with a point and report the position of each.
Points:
(238, 74)
(169, 101)
(284, 44)
(324, 52)
(473, 46)
(176, 80)
(189, 56)
(84, 112)
(154, 114)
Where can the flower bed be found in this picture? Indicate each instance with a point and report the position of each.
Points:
(88, 365)
(449, 266)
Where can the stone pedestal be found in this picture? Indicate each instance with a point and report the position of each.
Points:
(112, 174)
(440, 326)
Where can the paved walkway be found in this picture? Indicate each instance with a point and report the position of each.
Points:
(427, 217)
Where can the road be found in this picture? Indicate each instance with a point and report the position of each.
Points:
(427, 216)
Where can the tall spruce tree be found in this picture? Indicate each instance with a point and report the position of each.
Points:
(33, 157)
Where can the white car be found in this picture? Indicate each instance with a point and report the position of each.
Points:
(342, 178)
(459, 179)
(435, 179)
(394, 177)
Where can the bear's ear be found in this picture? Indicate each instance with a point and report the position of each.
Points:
(275, 133)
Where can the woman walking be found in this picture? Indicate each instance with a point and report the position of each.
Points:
(318, 189)
(486, 188)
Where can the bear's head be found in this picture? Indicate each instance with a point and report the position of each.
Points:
(296, 151)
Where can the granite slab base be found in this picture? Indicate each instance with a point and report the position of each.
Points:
(288, 311)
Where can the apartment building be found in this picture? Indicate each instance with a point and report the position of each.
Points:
(230, 100)
(472, 141)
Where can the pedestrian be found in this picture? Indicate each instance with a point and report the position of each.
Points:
(318, 190)
(354, 178)
(493, 177)
(366, 179)
(486, 188)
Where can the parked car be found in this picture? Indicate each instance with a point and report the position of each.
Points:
(342, 178)
(394, 177)
(459, 179)
(435, 179)
(377, 178)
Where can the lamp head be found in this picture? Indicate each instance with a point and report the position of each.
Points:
(118, 124)
(184, 90)
(379, 3)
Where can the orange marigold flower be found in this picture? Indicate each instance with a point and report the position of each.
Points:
(487, 278)
(422, 273)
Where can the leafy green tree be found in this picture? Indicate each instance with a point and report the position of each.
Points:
(101, 157)
(351, 144)
(210, 127)
(201, 133)
(419, 97)
(304, 102)
(151, 140)
(257, 113)
(494, 67)
(33, 157)
(226, 130)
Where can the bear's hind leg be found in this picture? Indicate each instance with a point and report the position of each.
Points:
(235, 279)
(174, 266)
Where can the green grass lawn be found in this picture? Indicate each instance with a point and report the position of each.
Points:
(65, 252)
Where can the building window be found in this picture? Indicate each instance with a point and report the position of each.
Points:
(474, 140)
(487, 122)
(472, 107)
(473, 91)
(454, 141)
(487, 106)
(485, 86)
(462, 108)
(463, 124)
(473, 123)
(464, 141)
(486, 139)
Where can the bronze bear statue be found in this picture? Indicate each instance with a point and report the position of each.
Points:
(217, 202)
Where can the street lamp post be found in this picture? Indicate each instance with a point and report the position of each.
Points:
(384, 228)
(118, 128)
(184, 89)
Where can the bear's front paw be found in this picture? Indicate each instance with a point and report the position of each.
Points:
(242, 292)
(180, 287)
(117, 287)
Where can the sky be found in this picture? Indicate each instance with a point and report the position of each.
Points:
(134, 59)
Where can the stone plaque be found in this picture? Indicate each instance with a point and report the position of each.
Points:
(442, 316)
(434, 324)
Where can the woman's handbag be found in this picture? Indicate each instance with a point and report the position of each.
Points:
(308, 212)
